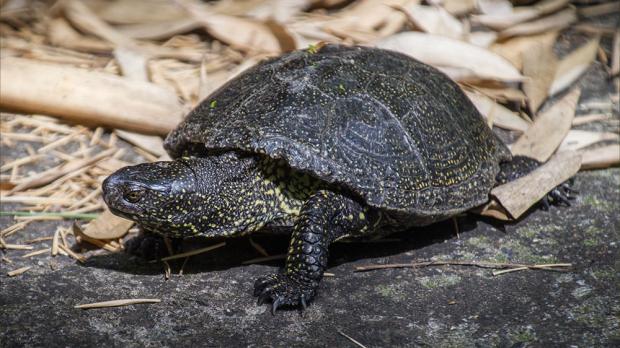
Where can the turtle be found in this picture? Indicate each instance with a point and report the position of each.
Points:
(333, 142)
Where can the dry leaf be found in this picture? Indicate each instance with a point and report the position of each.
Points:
(439, 51)
(132, 63)
(519, 195)
(159, 30)
(573, 65)
(278, 10)
(498, 114)
(107, 226)
(87, 97)
(434, 20)
(552, 22)
(602, 157)
(482, 38)
(459, 7)
(62, 34)
(132, 11)
(150, 143)
(495, 7)
(549, 129)
(539, 65)
(520, 14)
(578, 139)
(245, 34)
(513, 49)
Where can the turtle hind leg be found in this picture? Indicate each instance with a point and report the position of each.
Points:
(521, 166)
(325, 217)
(150, 246)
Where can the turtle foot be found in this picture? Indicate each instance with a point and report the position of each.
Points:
(560, 195)
(148, 246)
(283, 290)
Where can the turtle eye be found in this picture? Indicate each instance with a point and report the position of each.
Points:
(133, 196)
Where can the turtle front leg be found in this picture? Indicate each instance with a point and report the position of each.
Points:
(325, 217)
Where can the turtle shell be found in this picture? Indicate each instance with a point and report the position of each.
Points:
(395, 131)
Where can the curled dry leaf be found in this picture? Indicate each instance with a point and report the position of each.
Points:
(131, 11)
(521, 14)
(552, 22)
(601, 157)
(158, 30)
(62, 34)
(242, 33)
(439, 51)
(548, 130)
(434, 20)
(107, 226)
(496, 114)
(578, 139)
(573, 65)
(458, 7)
(519, 195)
(495, 7)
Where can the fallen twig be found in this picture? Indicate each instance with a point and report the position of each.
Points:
(193, 252)
(512, 267)
(351, 339)
(117, 303)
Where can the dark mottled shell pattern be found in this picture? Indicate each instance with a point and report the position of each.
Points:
(391, 129)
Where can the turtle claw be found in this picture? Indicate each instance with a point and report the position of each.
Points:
(282, 290)
(561, 194)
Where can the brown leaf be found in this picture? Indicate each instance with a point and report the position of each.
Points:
(514, 48)
(439, 51)
(570, 68)
(552, 22)
(520, 14)
(549, 129)
(107, 226)
(578, 139)
(497, 114)
(602, 157)
(519, 195)
(87, 97)
(539, 65)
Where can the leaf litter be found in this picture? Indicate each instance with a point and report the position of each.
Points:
(84, 74)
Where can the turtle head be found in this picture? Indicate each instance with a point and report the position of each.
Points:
(211, 196)
(158, 196)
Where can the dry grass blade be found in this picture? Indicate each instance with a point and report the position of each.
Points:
(600, 9)
(18, 271)
(548, 130)
(38, 252)
(109, 100)
(584, 119)
(117, 303)
(55, 173)
(357, 343)
(481, 264)
(519, 195)
(194, 252)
